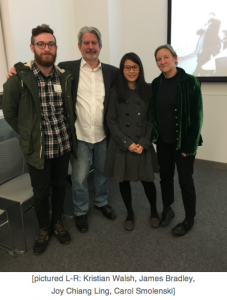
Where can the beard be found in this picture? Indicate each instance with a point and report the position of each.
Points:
(45, 61)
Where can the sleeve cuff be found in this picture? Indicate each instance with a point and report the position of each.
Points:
(146, 144)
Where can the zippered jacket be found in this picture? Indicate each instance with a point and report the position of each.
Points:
(21, 108)
(188, 112)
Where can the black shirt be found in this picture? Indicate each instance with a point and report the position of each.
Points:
(166, 109)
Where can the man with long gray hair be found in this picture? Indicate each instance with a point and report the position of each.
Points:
(91, 90)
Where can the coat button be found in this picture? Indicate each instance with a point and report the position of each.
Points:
(127, 114)
(124, 142)
(138, 114)
(138, 125)
(138, 102)
(127, 124)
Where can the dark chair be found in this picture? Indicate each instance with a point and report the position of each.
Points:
(15, 185)
(3, 221)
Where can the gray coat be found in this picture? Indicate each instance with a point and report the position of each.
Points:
(129, 122)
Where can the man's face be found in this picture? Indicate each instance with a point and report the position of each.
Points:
(44, 57)
(89, 47)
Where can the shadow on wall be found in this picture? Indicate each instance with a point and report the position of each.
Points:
(1, 100)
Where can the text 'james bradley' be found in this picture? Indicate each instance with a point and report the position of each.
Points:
(120, 278)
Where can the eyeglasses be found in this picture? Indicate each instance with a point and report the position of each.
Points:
(42, 45)
(134, 68)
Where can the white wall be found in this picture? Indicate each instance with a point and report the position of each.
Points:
(116, 36)
(19, 17)
(126, 25)
(144, 29)
(215, 122)
(137, 26)
(94, 13)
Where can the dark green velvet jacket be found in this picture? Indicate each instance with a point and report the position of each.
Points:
(188, 112)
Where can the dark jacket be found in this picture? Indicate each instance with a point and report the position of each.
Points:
(188, 112)
(129, 122)
(109, 77)
(21, 107)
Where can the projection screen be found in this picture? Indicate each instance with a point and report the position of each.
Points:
(197, 30)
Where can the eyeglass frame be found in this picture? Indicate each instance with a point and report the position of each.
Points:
(132, 67)
(48, 44)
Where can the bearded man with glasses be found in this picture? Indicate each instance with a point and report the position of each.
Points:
(38, 105)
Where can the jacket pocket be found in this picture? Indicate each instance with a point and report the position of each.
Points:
(25, 140)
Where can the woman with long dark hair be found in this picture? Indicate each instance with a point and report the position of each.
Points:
(177, 110)
(130, 154)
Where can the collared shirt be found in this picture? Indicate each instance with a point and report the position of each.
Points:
(53, 116)
(90, 104)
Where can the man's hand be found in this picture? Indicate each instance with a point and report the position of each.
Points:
(11, 73)
(133, 147)
(184, 154)
(139, 150)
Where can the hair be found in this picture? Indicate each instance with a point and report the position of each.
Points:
(122, 87)
(40, 29)
(168, 47)
(90, 29)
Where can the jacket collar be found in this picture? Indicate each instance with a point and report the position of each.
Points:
(30, 62)
(182, 74)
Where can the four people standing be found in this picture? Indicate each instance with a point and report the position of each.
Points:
(173, 120)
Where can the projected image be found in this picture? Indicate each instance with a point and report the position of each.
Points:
(199, 36)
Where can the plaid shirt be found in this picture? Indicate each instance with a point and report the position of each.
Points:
(56, 131)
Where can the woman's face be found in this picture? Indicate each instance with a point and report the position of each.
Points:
(166, 61)
(131, 71)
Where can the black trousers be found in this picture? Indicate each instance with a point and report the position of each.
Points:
(150, 191)
(167, 158)
(52, 176)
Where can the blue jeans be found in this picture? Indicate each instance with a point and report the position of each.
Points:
(80, 171)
